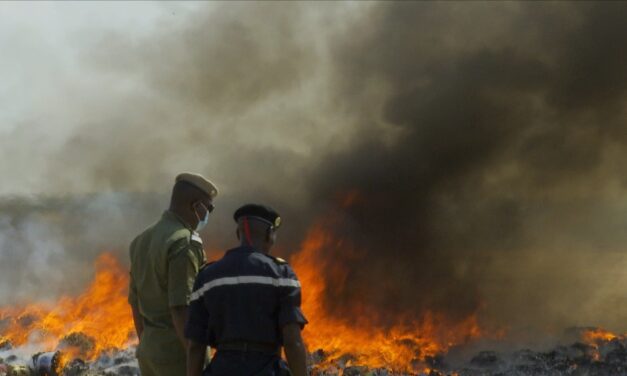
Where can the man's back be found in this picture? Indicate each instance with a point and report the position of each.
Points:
(243, 301)
(164, 262)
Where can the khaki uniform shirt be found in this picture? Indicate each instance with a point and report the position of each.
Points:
(165, 260)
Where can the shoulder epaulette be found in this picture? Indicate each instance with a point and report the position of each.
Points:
(279, 260)
(195, 237)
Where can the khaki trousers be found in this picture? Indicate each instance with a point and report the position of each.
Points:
(150, 368)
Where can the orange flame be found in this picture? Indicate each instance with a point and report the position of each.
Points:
(403, 347)
(101, 313)
(597, 337)
(592, 336)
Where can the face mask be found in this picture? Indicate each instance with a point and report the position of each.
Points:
(202, 222)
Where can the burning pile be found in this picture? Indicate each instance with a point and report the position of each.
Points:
(91, 326)
(593, 351)
(410, 345)
(92, 334)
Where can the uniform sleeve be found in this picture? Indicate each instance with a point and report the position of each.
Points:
(183, 265)
(132, 287)
(196, 327)
(289, 301)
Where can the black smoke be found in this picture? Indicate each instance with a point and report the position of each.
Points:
(504, 148)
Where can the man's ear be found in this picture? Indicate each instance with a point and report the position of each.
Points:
(269, 234)
(193, 206)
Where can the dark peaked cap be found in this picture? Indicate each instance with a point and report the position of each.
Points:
(259, 212)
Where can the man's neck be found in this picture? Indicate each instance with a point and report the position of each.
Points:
(256, 245)
(185, 216)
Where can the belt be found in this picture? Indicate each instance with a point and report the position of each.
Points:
(244, 346)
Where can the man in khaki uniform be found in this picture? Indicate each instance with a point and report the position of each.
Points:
(165, 260)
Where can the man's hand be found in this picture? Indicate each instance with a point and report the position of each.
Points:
(138, 321)
(196, 354)
(295, 350)
(179, 317)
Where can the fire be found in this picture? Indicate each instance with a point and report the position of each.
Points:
(403, 347)
(597, 337)
(591, 336)
(100, 317)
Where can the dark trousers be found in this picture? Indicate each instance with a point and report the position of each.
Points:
(246, 363)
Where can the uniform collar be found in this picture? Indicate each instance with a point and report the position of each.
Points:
(169, 214)
(244, 248)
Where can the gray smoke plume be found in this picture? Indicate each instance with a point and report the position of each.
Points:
(485, 143)
(236, 99)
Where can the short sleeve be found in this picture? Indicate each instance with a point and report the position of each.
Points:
(196, 327)
(183, 266)
(289, 301)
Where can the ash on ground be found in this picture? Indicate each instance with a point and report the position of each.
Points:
(596, 357)
(15, 362)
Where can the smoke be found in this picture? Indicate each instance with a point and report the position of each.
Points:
(48, 244)
(230, 91)
(501, 190)
(484, 143)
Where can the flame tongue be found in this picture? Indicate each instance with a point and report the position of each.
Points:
(591, 336)
(402, 347)
(97, 320)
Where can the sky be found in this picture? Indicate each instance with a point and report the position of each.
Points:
(484, 144)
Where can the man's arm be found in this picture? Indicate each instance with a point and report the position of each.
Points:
(138, 321)
(179, 318)
(295, 349)
(183, 266)
(196, 332)
(133, 299)
(291, 322)
(196, 354)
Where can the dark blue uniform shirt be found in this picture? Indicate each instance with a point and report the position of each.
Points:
(245, 296)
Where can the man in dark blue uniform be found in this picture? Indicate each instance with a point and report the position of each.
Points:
(247, 306)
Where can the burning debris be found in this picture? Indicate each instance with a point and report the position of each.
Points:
(55, 363)
(47, 363)
(597, 352)
(88, 325)
(91, 334)
(405, 343)
(33, 343)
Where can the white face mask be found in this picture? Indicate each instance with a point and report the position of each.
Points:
(201, 224)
